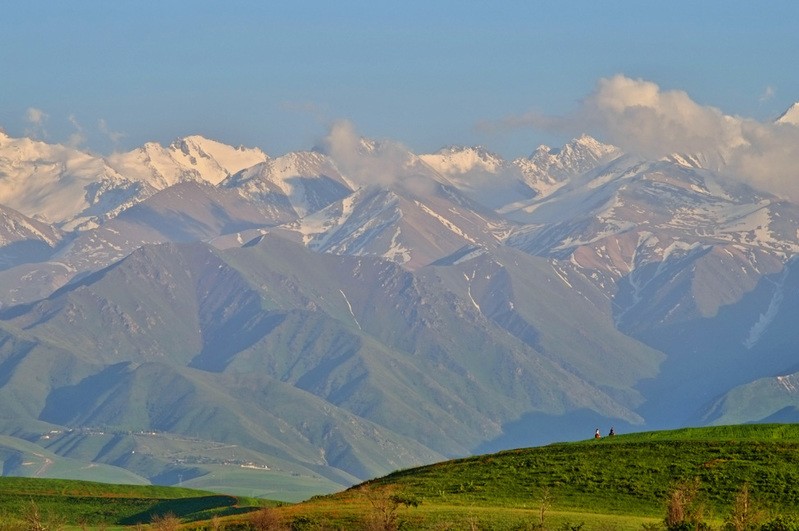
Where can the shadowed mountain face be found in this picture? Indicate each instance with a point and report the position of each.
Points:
(283, 315)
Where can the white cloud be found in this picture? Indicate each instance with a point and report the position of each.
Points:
(367, 162)
(641, 118)
(385, 163)
(36, 119)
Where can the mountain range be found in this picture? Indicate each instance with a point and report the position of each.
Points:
(326, 316)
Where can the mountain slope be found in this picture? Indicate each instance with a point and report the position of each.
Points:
(547, 169)
(173, 336)
(25, 240)
(132, 340)
(379, 308)
(184, 212)
(400, 224)
(299, 182)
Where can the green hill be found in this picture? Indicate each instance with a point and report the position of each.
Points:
(619, 482)
(616, 482)
(85, 503)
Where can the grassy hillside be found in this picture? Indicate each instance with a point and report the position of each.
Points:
(100, 504)
(620, 482)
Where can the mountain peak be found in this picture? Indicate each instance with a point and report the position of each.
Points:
(790, 116)
(189, 158)
(461, 159)
(584, 145)
(549, 168)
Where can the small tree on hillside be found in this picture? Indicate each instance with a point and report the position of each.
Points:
(265, 519)
(36, 521)
(385, 504)
(165, 522)
(546, 504)
(33, 518)
(745, 514)
(684, 508)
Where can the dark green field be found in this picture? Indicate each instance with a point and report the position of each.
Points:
(613, 483)
(84, 503)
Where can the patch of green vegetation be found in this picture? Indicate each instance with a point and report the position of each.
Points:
(737, 432)
(90, 503)
(622, 475)
(623, 481)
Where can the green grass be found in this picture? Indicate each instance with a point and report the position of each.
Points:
(625, 474)
(613, 483)
(625, 479)
(91, 503)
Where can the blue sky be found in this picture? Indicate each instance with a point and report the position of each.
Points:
(109, 75)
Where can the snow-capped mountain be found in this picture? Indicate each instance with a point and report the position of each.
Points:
(77, 190)
(456, 160)
(617, 219)
(549, 168)
(414, 221)
(15, 227)
(193, 158)
(791, 116)
(297, 183)
(429, 304)
(482, 176)
(61, 185)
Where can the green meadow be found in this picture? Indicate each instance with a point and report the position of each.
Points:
(620, 482)
(84, 504)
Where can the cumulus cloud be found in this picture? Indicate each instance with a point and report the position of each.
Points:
(641, 118)
(367, 162)
(770, 158)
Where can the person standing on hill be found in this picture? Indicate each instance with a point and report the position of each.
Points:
(597, 434)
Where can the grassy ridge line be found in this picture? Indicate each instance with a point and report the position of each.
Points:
(629, 474)
(748, 432)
